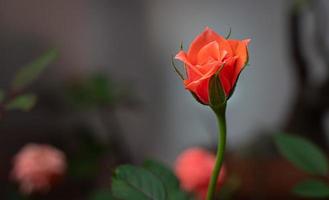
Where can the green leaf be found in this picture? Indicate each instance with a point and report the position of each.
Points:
(312, 189)
(29, 73)
(135, 183)
(169, 180)
(302, 153)
(167, 177)
(180, 195)
(23, 102)
(102, 195)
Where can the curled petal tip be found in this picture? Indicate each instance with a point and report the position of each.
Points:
(180, 55)
(247, 41)
(208, 29)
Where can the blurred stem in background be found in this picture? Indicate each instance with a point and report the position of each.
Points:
(311, 103)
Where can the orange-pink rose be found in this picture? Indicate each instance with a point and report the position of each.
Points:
(194, 167)
(208, 54)
(37, 167)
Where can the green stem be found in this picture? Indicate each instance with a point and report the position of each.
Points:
(221, 118)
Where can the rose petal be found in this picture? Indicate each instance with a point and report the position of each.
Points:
(202, 40)
(240, 50)
(200, 89)
(192, 72)
(227, 74)
(200, 86)
(210, 52)
(194, 167)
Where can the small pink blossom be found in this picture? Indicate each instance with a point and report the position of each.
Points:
(193, 168)
(37, 167)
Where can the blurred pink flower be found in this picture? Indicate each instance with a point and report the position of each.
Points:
(37, 167)
(193, 168)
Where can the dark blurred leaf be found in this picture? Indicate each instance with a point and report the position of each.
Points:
(102, 90)
(86, 161)
(83, 168)
(169, 180)
(2, 95)
(230, 187)
(14, 194)
(92, 92)
(102, 195)
(180, 195)
(312, 189)
(29, 73)
(23, 102)
(300, 4)
(90, 145)
(167, 177)
(135, 183)
(302, 153)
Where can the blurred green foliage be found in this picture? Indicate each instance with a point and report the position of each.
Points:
(14, 99)
(27, 74)
(85, 163)
(102, 195)
(23, 102)
(306, 156)
(151, 181)
(312, 189)
(302, 153)
(94, 91)
(230, 187)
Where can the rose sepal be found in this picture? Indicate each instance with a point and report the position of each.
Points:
(217, 97)
(180, 74)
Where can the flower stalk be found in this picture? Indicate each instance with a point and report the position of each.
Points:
(221, 119)
(213, 65)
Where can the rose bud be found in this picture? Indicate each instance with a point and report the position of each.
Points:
(193, 168)
(38, 167)
(212, 56)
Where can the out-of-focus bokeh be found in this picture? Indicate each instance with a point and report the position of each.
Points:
(112, 96)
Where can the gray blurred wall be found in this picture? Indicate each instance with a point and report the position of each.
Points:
(133, 41)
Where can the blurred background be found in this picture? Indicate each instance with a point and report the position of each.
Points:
(112, 96)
